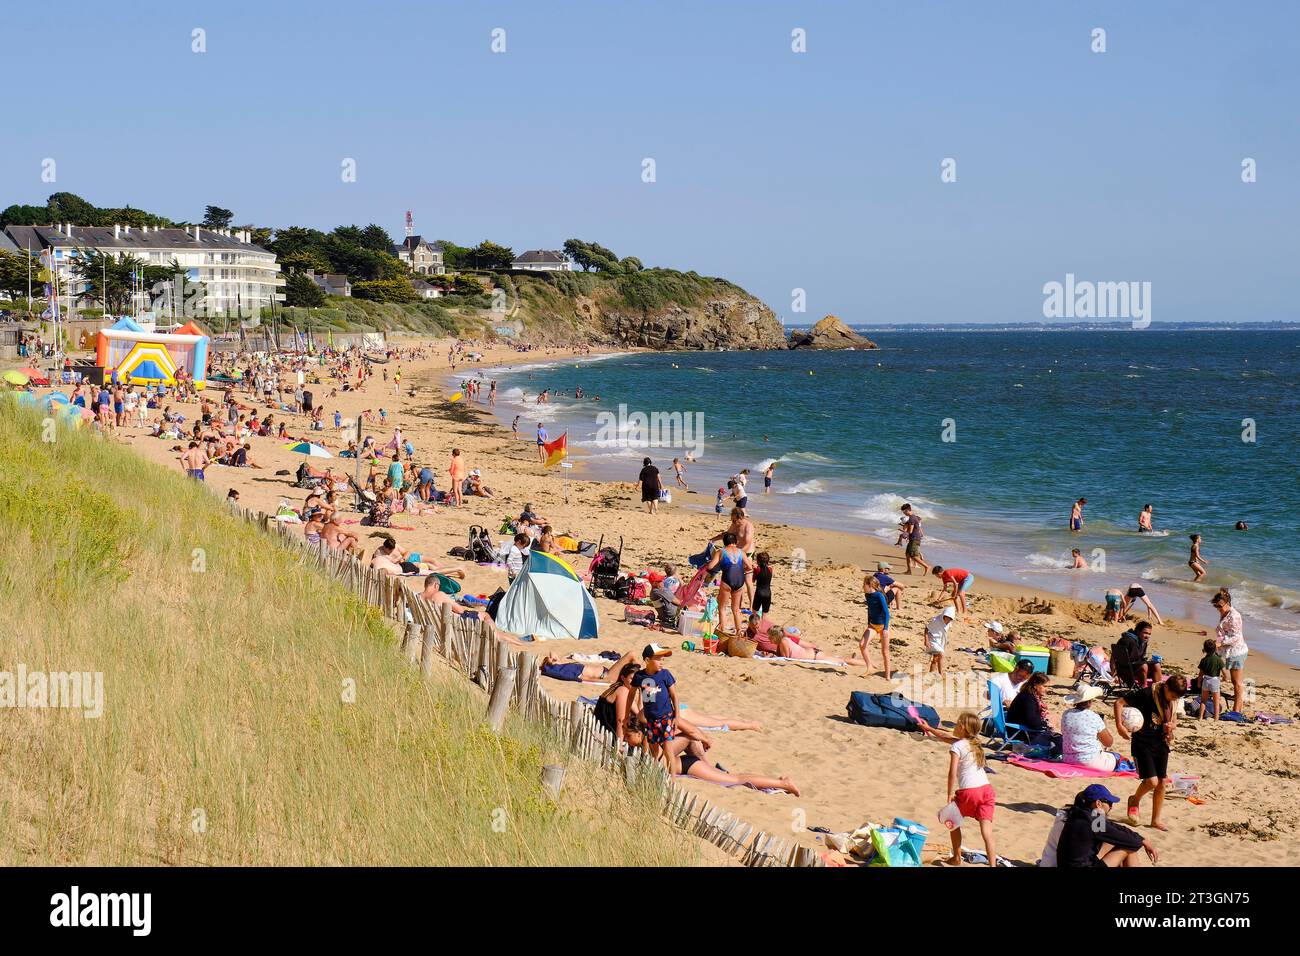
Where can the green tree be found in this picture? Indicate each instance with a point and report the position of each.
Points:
(300, 290)
(13, 275)
(69, 207)
(214, 217)
(490, 255)
(24, 216)
(579, 252)
(454, 257)
(385, 290)
(304, 259)
(109, 279)
(377, 238)
(632, 264)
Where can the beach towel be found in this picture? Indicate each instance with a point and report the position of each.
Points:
(799, 660)
(1063, 771)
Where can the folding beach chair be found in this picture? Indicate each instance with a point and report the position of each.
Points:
(996, 727)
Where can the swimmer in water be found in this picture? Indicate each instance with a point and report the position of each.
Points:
(1144, 520)
(1076, 516)
(1194, 560)
(1079, 563)
(1242, 526)
(767, 478)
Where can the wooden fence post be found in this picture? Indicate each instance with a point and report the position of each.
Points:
(499, 703)
(552, 780)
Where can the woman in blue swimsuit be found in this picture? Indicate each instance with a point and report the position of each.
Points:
(734, 567)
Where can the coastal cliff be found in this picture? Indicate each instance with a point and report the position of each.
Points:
(656, 309)
(830, 333)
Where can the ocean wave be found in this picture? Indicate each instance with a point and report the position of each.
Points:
(813, 487)
(885, 507)
(1039, 560)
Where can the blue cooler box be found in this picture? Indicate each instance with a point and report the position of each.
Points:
(1038, 656)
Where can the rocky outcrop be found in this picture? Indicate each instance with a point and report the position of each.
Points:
(733, 320)
(830, 333)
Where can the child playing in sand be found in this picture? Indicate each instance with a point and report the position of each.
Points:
(1210, 669)
(936, 637)
(968, 784)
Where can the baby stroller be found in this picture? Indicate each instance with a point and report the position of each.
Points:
(603, 571)
(481, 549)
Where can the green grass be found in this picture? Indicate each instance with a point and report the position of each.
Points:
(225, 663)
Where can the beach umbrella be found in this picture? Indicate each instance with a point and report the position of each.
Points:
(310, 449)
(57, 397)
(16, 378)
(35, 376)
(548, 600)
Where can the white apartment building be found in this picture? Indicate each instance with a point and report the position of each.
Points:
(238, 276)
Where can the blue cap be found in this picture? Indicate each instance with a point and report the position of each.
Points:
(1097, 791)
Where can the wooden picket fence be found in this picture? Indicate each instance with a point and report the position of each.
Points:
(510, 678)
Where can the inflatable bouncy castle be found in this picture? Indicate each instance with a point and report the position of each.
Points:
(143, 358)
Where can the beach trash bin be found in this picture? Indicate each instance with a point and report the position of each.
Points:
(1062, 664)
(1001, 662)
(1038, 656)
(915, 833)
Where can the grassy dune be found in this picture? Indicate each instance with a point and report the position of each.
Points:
(225, 736)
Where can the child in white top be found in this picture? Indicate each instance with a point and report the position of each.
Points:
(968, 784)
(936, 637)
(516, 556)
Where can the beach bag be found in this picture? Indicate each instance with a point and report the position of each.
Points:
(738, 646)
(893, 847)
(888, 710)
(638, 614)
(915, 833)
(494, 602)
(587, 549)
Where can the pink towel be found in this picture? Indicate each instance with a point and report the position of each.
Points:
(1064, 771)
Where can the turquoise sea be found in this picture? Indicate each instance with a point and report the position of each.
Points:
(1035, 420)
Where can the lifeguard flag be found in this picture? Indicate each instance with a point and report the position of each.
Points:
(556, 451)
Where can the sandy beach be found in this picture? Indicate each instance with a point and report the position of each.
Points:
(848, 774)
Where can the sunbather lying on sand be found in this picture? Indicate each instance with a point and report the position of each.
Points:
(775, 640)
(695, 764)
(569, 669)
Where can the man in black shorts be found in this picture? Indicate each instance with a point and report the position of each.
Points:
(1158, 705)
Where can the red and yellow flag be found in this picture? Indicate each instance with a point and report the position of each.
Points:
(556, 451)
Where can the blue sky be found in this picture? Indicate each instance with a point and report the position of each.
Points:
(777, 170)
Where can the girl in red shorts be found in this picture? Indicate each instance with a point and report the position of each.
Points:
(968, 784)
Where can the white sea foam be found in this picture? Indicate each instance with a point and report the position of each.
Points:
(813, 487)
(885, 507)
(1039, 560)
